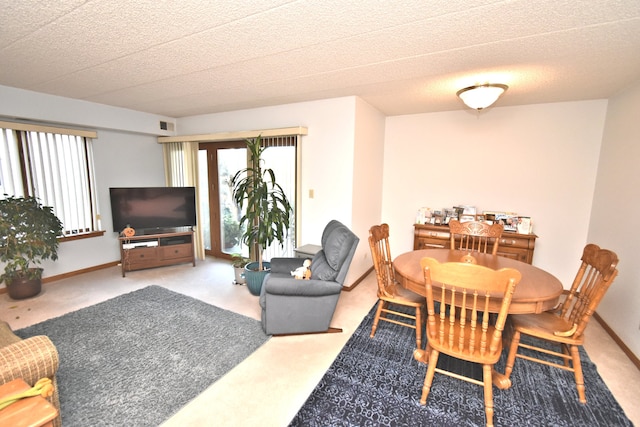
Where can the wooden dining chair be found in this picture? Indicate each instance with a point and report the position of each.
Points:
(564, 327)
(462, 327)
(392, 296)
(475, 236)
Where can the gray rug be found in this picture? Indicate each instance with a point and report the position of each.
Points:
(138, 358)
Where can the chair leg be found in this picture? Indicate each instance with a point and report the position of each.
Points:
(567, 351)
(488, 393)
(513, 350)
(428, 378)
(577, 370)
(376, 319)
(418, 327)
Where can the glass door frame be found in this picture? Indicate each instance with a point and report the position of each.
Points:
(215, 217)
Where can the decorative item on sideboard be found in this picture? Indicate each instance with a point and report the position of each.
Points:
(463, 213)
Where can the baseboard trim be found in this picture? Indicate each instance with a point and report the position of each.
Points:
(358, 281)
(626, 350)
(331, 330)
(50, 279)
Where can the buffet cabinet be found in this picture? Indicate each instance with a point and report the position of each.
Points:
(511, 245)
(156, 250)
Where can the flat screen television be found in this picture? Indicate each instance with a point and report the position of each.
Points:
(153, 209)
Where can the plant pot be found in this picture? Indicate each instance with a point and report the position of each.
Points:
(239, 272)
(21, 288)
(254, 277)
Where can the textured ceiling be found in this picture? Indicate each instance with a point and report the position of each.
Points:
(182, 58)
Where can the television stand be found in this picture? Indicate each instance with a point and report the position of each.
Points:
(156, 250)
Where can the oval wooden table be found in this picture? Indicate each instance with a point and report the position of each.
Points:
(536, 292)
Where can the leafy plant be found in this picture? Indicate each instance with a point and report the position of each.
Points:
(239, 260)
(232, 230)
(267, 215)
(28, 235)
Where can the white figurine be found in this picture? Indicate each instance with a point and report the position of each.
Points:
(303, 272)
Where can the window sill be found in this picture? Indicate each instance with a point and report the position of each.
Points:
(81, 236)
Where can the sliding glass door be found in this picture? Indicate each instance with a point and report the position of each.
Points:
(218, 162)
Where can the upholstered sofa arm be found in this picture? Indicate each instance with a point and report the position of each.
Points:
(294, 287)
(285, 265)
(30, 359)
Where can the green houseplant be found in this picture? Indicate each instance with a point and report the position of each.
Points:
(29, 234)
(239, 261)
(267, 210)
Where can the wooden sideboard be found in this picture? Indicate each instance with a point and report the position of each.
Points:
(156, 250)
(511, 245)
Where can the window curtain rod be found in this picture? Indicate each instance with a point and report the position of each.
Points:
(232, 136)
(28, 127)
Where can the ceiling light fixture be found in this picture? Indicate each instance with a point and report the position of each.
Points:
(481, 96)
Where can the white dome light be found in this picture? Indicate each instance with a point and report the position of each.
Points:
(481, 96)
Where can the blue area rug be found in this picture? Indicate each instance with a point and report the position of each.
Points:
(376, 382)
(138, 358)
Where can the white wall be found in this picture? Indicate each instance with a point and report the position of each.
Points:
(24, 104)
(536, 160)
(615, 203)
(367, 180)
(327, 157)
(126, 154)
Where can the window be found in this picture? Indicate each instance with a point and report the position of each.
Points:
(56, 166)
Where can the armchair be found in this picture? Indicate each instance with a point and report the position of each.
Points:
(294, 306)
(30, 359)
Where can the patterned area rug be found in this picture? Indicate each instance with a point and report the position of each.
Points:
(376, 382)
(138, 358)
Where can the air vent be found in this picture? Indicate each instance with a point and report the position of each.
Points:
(167, 126)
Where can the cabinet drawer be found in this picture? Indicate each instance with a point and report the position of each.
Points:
(432, 244)
(514, 242)
(432, 234)
(175, 251)
(138, 256)
(511, 245)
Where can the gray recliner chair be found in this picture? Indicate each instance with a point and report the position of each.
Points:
(294, 306)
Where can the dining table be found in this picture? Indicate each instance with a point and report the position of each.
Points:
(537, 291)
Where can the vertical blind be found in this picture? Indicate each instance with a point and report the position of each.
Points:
(57, 169)
(280, 155)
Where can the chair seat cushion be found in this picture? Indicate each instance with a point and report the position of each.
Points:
(280, 284)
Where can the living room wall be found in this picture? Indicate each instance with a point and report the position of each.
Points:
(338, 132)
(126, 154)
(616, 197)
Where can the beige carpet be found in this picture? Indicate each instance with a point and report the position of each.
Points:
(270, 386)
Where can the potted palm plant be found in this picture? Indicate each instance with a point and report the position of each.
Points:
(29, 234)
(267, 212)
